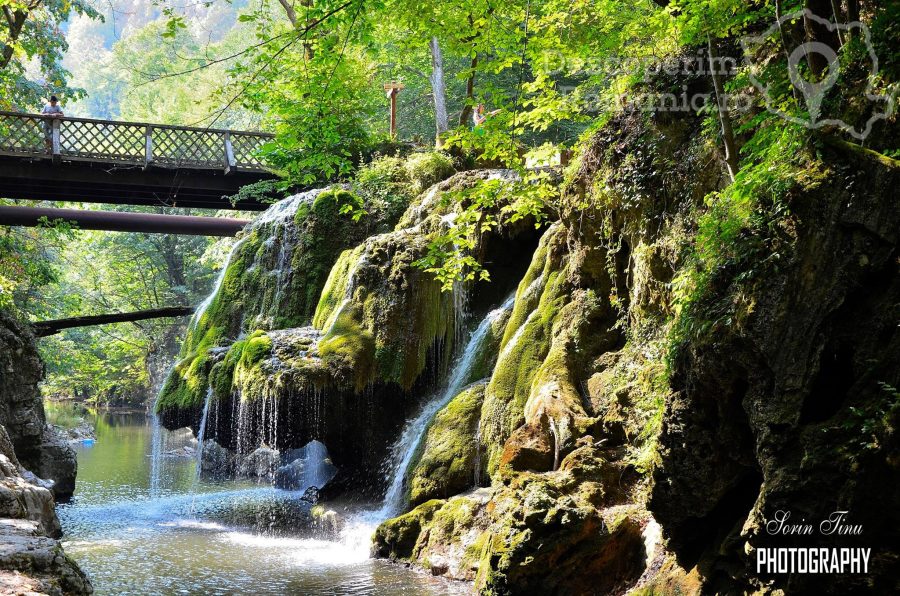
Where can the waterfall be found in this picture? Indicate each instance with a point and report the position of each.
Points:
(201, 432)
(157, 447)
(415, 429)
(198, 313)
(158, 436)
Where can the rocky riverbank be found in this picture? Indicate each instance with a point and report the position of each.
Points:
(35, 465)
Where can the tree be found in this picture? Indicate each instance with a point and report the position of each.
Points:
(31, 29)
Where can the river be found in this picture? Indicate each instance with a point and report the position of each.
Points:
(203, 537)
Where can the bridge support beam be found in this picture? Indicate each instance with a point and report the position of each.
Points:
(116, 221)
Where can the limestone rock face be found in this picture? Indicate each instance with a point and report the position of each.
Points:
(32, 563)
(796, 409)
(380, 337)
(37, 445)
(35, 464)
(636, 441)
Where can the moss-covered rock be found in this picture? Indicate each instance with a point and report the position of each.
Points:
(396, 538)
(447, 465)
(526, 342)
(272, 280)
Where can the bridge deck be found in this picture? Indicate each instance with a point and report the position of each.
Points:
(126, 162)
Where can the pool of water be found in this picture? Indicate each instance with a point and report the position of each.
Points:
(178, 535)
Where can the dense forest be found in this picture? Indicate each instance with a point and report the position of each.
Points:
(619, 290)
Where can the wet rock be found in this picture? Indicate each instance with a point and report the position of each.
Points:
(31, 560)
(396, 538)
(308, 467)
(183, 451)
(261, 463)
(449, 455)
(216, 460)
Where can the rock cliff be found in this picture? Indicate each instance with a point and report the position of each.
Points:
(31, 559)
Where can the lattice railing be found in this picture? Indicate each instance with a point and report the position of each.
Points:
(85, 139)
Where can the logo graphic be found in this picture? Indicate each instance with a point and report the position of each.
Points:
(812, 94)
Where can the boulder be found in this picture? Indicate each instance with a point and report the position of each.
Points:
(57, 462)
(215, 459)
(37, 446)
(310, 467)
(261, 463)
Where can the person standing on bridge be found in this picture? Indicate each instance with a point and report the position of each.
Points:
(52, 110)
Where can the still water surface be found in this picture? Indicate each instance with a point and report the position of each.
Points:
(190, 537)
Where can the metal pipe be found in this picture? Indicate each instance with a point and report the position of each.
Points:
(119, 221)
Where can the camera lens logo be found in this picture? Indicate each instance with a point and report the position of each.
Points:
(810, 92)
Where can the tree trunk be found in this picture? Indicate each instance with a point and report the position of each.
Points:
(470, 93)
(289, 11)
(731, 152)
(438, 90)
(852, 16)
(15, 21)
(45, 328)
(819, 33)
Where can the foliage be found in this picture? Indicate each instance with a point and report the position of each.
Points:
(453, 253)
(32, 32)
(742, 227)
(28, 263)
(69, 273)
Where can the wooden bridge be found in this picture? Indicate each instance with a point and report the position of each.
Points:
(127, 163)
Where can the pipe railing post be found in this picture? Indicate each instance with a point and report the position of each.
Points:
(230, 164)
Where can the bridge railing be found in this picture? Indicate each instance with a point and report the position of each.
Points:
(130, 143)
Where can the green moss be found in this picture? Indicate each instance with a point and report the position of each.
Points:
(526, 343)
(408, 326)
(396, 538)
(257, 347)
(349, 347)
(301, 214)
(397, 305)
(446, 463)
(328, 204)
(335, 290)
(186, 385)
(426, 169)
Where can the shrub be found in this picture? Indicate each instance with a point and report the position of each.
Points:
(425, 169)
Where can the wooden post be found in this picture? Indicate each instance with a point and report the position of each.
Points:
(56, 152)
(148, 146)
(230, 164)
(393, 88)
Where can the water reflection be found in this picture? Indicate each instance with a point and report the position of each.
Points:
(229, 538)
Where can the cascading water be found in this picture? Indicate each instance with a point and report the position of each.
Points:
(136, 542)
(415, 429)
(202, 308)
(201, 432)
